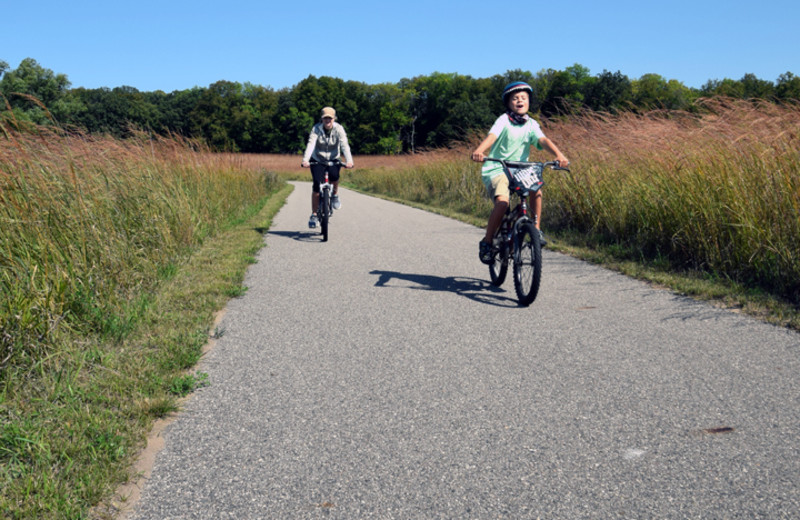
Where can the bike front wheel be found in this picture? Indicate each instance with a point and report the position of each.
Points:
(527, 263)
(325, 213)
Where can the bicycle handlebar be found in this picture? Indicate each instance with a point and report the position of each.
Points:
(553, 165)
(336, 162)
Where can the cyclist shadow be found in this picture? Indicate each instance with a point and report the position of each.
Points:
(300, 236)
(472, 288)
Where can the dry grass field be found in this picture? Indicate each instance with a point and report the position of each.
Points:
(289, 165)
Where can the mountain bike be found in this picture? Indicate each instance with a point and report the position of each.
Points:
(325, 208)
(517, 239)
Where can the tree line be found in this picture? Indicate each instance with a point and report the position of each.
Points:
(388, 118)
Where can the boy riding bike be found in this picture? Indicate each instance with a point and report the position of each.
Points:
(326, 140)
(510, 138)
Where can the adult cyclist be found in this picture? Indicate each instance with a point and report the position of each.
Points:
(326, 142)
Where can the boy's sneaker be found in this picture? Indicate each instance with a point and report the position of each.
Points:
(542, 240)
(312, 222)
(335, 202)
(485, 252)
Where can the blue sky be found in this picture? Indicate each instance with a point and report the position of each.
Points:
(175, 45)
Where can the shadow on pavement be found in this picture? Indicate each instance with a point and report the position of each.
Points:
(473, 288)
(300, 236)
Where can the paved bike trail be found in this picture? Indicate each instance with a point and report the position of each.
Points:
(380, 375)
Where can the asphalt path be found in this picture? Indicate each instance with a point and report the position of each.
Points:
(380, 375)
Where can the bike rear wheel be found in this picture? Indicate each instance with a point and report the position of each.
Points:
(527, 264)
(325, 213)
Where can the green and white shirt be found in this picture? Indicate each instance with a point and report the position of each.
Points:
(513, 144)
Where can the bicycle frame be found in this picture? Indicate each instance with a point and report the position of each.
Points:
(521, 191)
(325, 207)
(513, 220)
(516, 217)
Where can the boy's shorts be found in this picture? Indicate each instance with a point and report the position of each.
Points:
(497, 186)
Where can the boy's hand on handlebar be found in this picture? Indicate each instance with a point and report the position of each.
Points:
(348, 165)
(562, 161)
(305, 164)
(478, 156)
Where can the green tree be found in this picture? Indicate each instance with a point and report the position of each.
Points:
(70, 109)
(358, 112)
(563, 91)
(788, 87)
(609, 92)
(653, 91)
(649, 91)
(175, 109)
(134, 109)
(430, 101)
(313, 93)
(754, 88)
(445, 108)
(726, 87)
(423, 112)
(388, 115)
(31, 80)
(222, 117)
(749, 87)
(263, 103)
(115, 111)
(459, 108)
(292, 125)
(355, 104)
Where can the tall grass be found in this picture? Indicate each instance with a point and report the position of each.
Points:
(288, 165)
(88, 226)
(114, 255)
(442, 179)
(718, 193)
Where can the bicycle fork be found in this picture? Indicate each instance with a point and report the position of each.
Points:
(325, 186)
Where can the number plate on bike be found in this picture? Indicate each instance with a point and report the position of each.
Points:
(528, 178)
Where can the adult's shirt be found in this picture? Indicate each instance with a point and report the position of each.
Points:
(326, 146)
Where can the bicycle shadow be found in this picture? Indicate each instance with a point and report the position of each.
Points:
(473, 288)
(300, 236)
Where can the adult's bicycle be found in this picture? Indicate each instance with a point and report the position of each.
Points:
(325, 208)
(517, 239)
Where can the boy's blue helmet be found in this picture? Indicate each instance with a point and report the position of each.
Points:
(516, 86)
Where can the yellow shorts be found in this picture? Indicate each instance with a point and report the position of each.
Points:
(498, 187)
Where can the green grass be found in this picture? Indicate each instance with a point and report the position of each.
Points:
(104, 316)
(70, 435)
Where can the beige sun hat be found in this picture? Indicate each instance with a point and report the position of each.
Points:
(329, 112)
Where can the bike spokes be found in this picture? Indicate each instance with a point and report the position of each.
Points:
(527, 264)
